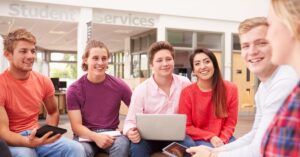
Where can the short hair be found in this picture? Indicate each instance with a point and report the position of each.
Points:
(92, 44)
(289, 12)
(157, 46)
(250, 23)
(11, 39)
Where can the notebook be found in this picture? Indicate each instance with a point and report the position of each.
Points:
(169, 127)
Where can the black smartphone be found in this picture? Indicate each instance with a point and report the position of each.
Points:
(176, 150)
(46, 128)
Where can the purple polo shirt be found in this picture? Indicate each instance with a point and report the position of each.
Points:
(99, 103)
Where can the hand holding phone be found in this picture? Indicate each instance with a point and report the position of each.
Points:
(176, 150)
(46, 128)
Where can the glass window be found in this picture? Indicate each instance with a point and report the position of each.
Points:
(144, 65)
(236, 42)
(64, 71)
(136, 65)
(180, 38)
(60, 56)
(209, 40)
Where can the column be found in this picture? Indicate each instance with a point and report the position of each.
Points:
(86, 16)
(228, 56)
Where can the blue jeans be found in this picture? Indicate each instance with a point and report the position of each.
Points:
(205, 143)
(61, 148)
(119, 148)
(146, 147)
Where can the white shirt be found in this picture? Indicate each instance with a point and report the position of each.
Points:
(268, 98)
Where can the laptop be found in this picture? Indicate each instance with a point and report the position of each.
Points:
(168, 127)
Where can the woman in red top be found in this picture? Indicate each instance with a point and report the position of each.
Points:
(211, 104)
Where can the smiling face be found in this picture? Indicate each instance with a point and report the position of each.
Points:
(203, 67)
(163, 63)
(22, 57)
(97, 62)
(257, 52)
(280, 38)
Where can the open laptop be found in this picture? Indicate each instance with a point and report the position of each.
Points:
(170, 127)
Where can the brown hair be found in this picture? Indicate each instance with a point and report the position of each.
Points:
(92, 44)
(13, 37)
(289, 13)
(160, 45)
(218, 87)
(250, 23)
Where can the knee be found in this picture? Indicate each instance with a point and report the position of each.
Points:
(76, 148)
(121, 145)
(142, 146)
(24, 152)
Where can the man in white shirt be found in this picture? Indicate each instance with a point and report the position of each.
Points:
(276, 84)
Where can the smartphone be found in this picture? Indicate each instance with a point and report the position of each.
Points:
(176, 150)
(46, 128)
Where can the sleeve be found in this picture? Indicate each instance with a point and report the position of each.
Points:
(136, 106)
(126, 93)
(49, 87)
(73, 97)
(230, 122)
(2, 92)
(185, 107)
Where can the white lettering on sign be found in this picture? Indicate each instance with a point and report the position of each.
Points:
(124, 19)
(43, 12)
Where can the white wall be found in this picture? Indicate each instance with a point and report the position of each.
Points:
(231, 10)
(3, 61)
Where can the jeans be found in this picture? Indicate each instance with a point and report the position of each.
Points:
(205, 143)
(63, 147)
(119, 148)
(146, 147)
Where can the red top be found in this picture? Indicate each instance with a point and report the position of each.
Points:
(202, 124)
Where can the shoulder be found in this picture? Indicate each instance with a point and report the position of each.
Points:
(76, 86)
(231, 87)
(285, 72)
(114, 79)
(181, 79)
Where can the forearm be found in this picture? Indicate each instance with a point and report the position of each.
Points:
(14, 139)
(82, 131)
(53, 118)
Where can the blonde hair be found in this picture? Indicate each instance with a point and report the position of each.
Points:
(13, 37)
(250, 23)
(289, 12)
(92, 44)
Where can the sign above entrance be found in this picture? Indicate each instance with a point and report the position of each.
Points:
(124, 18)
(39, 11)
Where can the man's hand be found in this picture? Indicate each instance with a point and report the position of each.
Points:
(199, 151)
(216, 141)
(134, 135)
(34, 141)
(104, 141)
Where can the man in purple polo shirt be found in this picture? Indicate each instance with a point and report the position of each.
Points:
(93, 104)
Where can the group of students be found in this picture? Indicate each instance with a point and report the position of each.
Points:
(211, 103)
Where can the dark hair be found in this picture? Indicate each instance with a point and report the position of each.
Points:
(218, 87)
(17, 35)
(92, 44)
(160, 45)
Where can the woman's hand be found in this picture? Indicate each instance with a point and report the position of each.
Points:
(216, 141)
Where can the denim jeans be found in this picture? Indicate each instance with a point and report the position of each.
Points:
(120, 147)
(61, 148)
(205, 143)
(146, 147)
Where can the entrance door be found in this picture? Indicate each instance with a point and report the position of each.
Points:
(246, 82)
